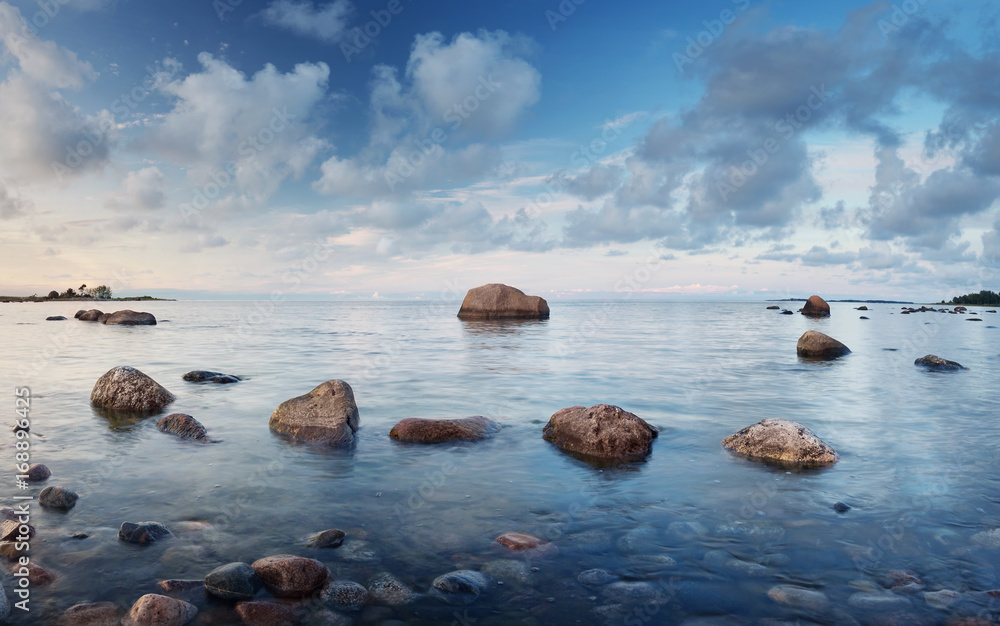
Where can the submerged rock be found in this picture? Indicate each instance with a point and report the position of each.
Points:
(175, 585)
(142, 533)
(868, 601)
(420, 430)
(128, 318)
(602, 431)
(773, 307)
(460, 586)
(11, 530)
(509, 570)
(934, 362)
(38, 472)
(498, 301)
(595, 577)
(234, 581)
(384, 588)
(57, 497)
(331, 538)
(816, 307)
(125, 388)
(327, 414)
(182, 425)
(153, 609)
(799, 597)
(519, 541)
(815, 345)
(92, 614)
(635, 592)
(287, 576)
(55, 318)
(37, 576)
(781, 441)
(345, 595)
(263, 613)
(79, 313)
(202, 376)
(92, 315)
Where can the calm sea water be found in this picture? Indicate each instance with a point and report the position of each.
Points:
(919, 456)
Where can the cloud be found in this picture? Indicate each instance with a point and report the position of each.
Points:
(324, 22)
(142, 189)
(599, 180)
(12, 206)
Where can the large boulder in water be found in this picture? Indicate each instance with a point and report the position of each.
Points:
(815, 345)
(125, 388)
(782, 442)
(934, 362)
(496, 301)
(327, 414)
(154, 609)
(287, 576)
(816, 307)
(92, 315)
(602, 431)
(129, 318)
(420, 430)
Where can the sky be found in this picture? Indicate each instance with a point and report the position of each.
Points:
(402, 149)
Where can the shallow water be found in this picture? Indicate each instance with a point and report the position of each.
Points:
(918, 452)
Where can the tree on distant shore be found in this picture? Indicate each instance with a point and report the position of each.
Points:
(102, 292)
(983, 298)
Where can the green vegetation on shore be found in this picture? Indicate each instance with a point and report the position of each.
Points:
(983, 298)
(84, 293)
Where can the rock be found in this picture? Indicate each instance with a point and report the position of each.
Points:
(868, 601)
(936, 363)
(287, 576)
(143, 533)
(103, 317)
(175, 585)
(634, 592)
(687, 530)
(129, 318)
(988, 538)
(786, 312)
(12, 549)
(262, 613)
(38, 472)
(773, 308)
(153, 609)
(92, 315)
(815, 345)
(798, 597)
(420, 430)
(497, 301)
(595, 577)
(862, 318)
(602, 431)
(519, 541)
(57, 497)
(637, 540)
(356, 551)
(234, 581)
(55, 318)
(384, 588)
(862, 308)
(345, 595)
(182, 425)
(816, 307)
(973, 319)
(201, 376)
(327, 539)
(941, 599)
(79, 313)
(92, 614)
(37, 575)
(125, 388)
(509, 571)
(460, 586)
(783, 442)
(7, 513)
(840, 507)
(11, 530)
(327, 414)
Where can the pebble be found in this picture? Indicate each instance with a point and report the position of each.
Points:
(595, 577)
(233, 581)
(384, 588)
(941, 599)
(345, 595)
(38, 472)
(840, 507)
(57, 497)
(92, 614)
(461, 586)
(519, 541)
(142, 533)
(798, 597)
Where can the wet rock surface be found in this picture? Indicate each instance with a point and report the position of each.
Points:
(56, 497)
(327, 414)
(815, 345)
(497, 301)
(287, 576)
(234, 581)
(816, 307)
(936, 363)
(127, 389)
(142, 533)
(781, 441)
(384, 588)
(602, 431)
(420, 430)
(128, 318)
(184, 426)
(157, 610)
(461, 586)
(202, 376)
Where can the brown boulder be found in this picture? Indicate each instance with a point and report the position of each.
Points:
(420, 430)
(783, 442)
(263, 613)
(92, 315)
(815, 345)
(601, 431)
(154, 609)
(287, 576)
(497, 301)
(816, 307)
(91, 614)
(182, 425)
(519, 541)
(129, 318)
(935, 362)
(327, 414)
(125, 388)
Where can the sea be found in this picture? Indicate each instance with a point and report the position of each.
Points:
(690, 535)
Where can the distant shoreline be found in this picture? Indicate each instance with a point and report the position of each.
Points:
(13, 299)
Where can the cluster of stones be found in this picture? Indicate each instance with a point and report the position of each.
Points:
(118, 318)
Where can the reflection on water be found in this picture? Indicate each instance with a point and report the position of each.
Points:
(690, 531)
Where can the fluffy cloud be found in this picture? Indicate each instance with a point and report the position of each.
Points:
(143, 189)
(12, 206)
(326, 23)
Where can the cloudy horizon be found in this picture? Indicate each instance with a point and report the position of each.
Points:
(393, 149)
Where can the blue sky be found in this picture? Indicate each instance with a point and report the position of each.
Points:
(349, 149)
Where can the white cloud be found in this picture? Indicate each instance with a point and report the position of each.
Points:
(42, 61)
(12, 206)
(327, 23)
(142, 189)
